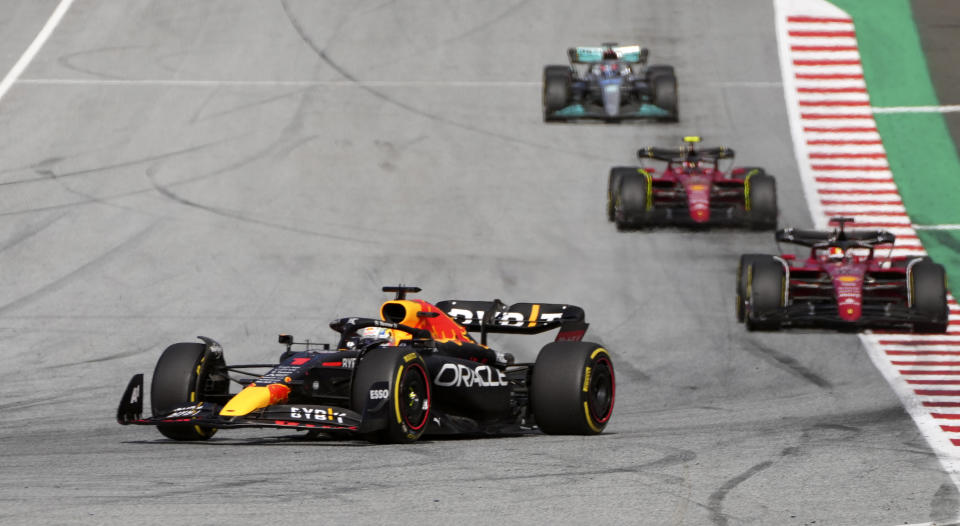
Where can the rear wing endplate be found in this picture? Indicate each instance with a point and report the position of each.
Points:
(519, 318)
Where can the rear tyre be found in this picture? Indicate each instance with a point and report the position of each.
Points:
(408, 404)
(617, 174)
(556, 90)
(760, 201)
(745, 261)
(179, 380)
(632, 201)
(928, 288)
(766, 281)
(573, 388)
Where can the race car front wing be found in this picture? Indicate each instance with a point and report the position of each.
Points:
(876, 316)
(300, 417)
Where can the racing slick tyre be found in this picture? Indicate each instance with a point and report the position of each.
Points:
(617, 174)
(766, 282)
(760, 200)
(181, 378)
(406, 402)
(745, 261)
(632, 201)
(556, 90)
(928, 295)
(572, 389)
(659, 69)
(663, 83)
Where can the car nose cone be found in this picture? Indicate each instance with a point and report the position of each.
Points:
(611, 98)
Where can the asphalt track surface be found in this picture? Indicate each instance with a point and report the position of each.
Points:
(242, 168)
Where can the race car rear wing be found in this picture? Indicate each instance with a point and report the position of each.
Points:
(519, 318)
(592, 54)
(679, 154)
(812, 238)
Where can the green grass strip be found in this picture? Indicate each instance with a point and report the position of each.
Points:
(921, 153)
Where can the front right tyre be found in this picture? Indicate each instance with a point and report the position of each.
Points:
(182, 378)
(617, 173)
(663, 83)
(745, 261)
(557, 81)
(632, 201)
(766, 285)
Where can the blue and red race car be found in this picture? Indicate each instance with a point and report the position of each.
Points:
(415, 370)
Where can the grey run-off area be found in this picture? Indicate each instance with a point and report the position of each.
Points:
(356, 144)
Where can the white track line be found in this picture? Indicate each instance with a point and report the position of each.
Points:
(917, 109)
(34, 47)
(207, 83)
(936, 227)
(213, 83)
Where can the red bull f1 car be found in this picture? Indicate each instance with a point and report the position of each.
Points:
(692, 190)
(415, 370)
(611, 83)
(843, 283)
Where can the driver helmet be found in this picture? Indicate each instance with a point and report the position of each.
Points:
(370, 335)
(835, 254)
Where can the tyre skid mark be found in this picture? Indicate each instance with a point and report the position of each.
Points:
(236, 215)
(323, 56)
(715, 502)
(78, 272)
(786, 363)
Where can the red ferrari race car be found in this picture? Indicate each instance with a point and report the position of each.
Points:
(843, 283)
(691, 190)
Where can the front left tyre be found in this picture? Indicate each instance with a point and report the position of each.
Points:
(928, 295)
(766, 285)
(573, 388)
